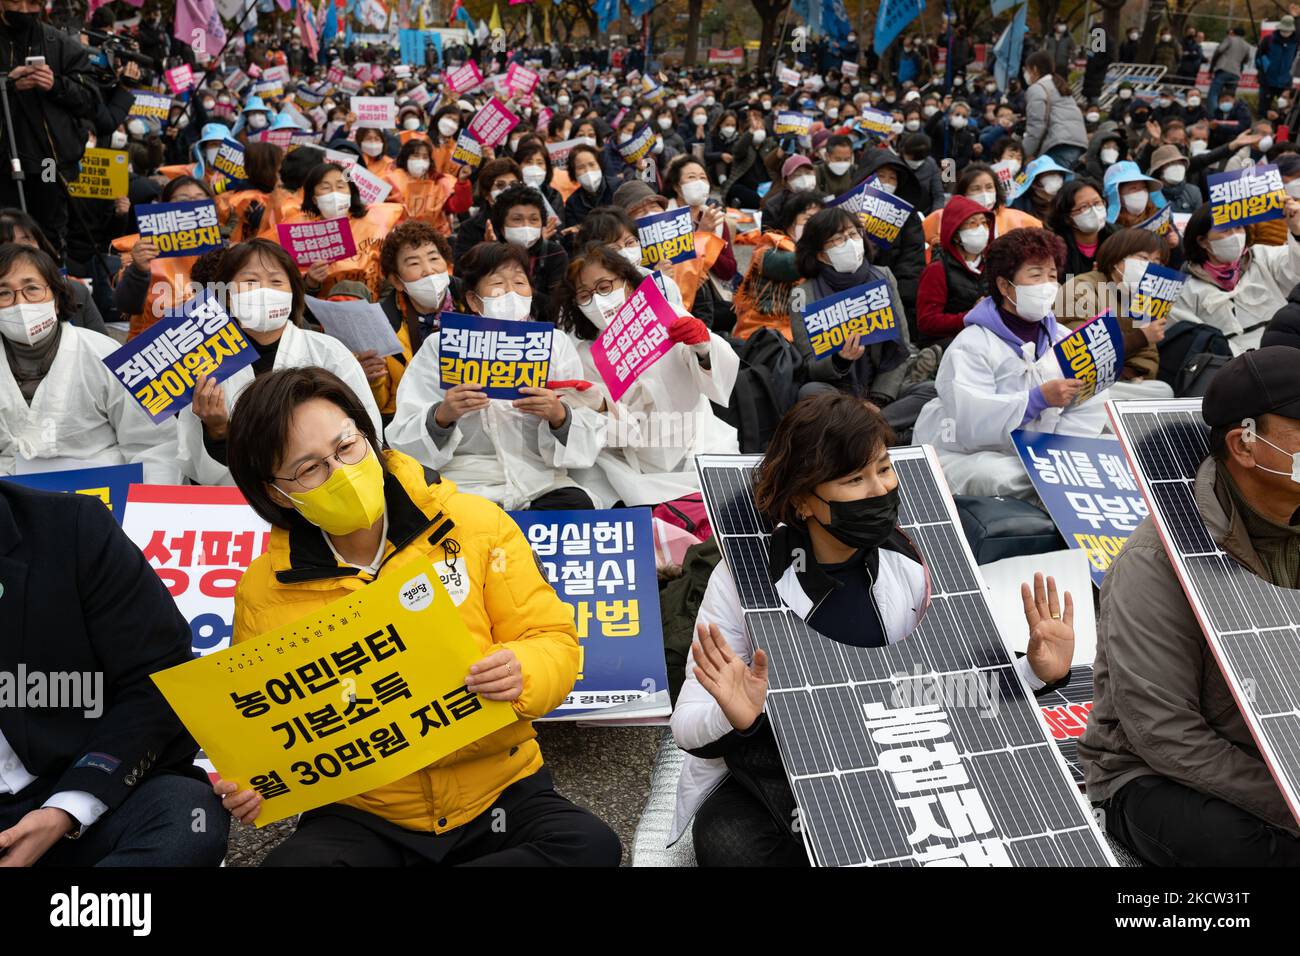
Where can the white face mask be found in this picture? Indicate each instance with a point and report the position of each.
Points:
(797, 232)
(257, 120)
(695, 192)
(27, 323)
(210, 154)
(1198, 146)
(1174, 173)
(1265, 144)
(758, 135)
(562, 100)
(411, 123)
(511, 306)
(928, 110)
(1091, 219)
(1134, 269)
(1282, 103)
(665, 122)
(1108, 155)
(372, 148)
(1093, 117)
(1051, 183)
(728, 132)
(914, 164)
(427, 292)
(1229, 248)
(1292, 188)
(262, 310)
(333, 204)
(417, 167)
(534, 175)
(974, 240)
(1295, 460)
(117, 140)
(839, 169)
(632, 254)
(591, 180)
(1193, 101)
(1136, 202)
(1126, 94)
(985, 197)
(847, 256)
(957, 122)
(600, 310)
(1013, 165)
(448, 126)
(885, 187)
(912, 125)
(800, 183)
(625, 101)
(699, 119)
(1033, 302)
(523, 235)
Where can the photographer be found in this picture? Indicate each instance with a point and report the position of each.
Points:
(47, 99)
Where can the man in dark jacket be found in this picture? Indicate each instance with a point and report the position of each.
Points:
(1167, 754)
(52, 105)
(113, 769)
(1273, 59)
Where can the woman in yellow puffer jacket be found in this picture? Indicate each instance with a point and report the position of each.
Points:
(356, 514)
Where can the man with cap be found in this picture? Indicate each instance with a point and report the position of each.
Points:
(1169, 165)
(1273, 58)
(797, 174)
(1167, 754)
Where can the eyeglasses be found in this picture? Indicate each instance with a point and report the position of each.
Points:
(603, 287)
(1077, 210)
(30, 293)
(312, 474)
(840, 239)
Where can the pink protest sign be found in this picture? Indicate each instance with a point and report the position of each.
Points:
(335, 75)
(521, 79)
(544, 119)
(464, 78)
(375, 112)
(180, 78)
(328, 240)
(493, 123)
(635, 339)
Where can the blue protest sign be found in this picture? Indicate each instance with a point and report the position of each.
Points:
(1094, 354)
(180, 228)
(866, 309)
(161, 366)
(882, 214)
(1154, 294)
(602, 564)
(1245, 196)
(666, 236)
(500, 354)
(109, 484)
(1087, 488)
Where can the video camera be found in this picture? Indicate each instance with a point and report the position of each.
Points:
(109, 51)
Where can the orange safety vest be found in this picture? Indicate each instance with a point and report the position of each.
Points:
(426, 199)
(169, 282)
(693, 273)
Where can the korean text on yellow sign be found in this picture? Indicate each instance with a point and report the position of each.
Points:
(103, 175)
(361, 693)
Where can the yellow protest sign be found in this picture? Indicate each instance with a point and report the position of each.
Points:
(356, 695)
(103, 175)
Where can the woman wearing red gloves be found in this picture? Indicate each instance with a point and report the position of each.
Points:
(657, 427)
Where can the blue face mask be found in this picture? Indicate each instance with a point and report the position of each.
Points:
(1225, 107)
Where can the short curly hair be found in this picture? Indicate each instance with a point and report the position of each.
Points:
(413, 232)
(1007, 253)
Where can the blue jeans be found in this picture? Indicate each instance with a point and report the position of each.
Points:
(169, 820)
(1220, 78)
(1065, 155)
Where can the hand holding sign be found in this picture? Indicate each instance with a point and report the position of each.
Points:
(459, 401)
(688, 330)
(498, 676)
(1060, 392)
(543, 403)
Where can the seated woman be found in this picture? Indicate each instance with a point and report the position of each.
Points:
(519, 216)
(327, 193)
(763, 298)
(656, 428)
(373, 146)
(611, 226)
(584, 168)
(494, 177)
(1235, 289)
(979, 183)
(1036, 195)
(535, 167)
(831, 257)
(1000, 373)
(419, 187)
(1079, 218)
(247, 207)
(713, 270)
(838, 560)
(297, 435)
(265, 297)
(954, 280)
(57, 397)
(517, 453)
(148, 284)
(1121, 260)
(17, 226)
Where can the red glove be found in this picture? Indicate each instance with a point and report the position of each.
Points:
(689, 331)
(576, 384)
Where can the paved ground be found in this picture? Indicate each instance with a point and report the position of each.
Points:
(605, 769)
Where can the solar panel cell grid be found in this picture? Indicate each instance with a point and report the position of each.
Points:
(926, 751)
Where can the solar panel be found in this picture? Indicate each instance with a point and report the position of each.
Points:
(929, 751)
(1250, 624)
(1066, 712)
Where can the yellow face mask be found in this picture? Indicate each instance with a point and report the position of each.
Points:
(351, 498)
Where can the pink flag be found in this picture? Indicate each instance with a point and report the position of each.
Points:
(199, 25)
(285, 4)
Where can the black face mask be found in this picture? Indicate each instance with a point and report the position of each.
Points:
(21, 21)
(864, 523)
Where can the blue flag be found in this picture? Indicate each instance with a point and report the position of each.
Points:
(835, 20)
(893, 17)
(330, 29)
(1010, 47)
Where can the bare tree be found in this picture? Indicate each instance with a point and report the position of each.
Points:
(770, 12)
